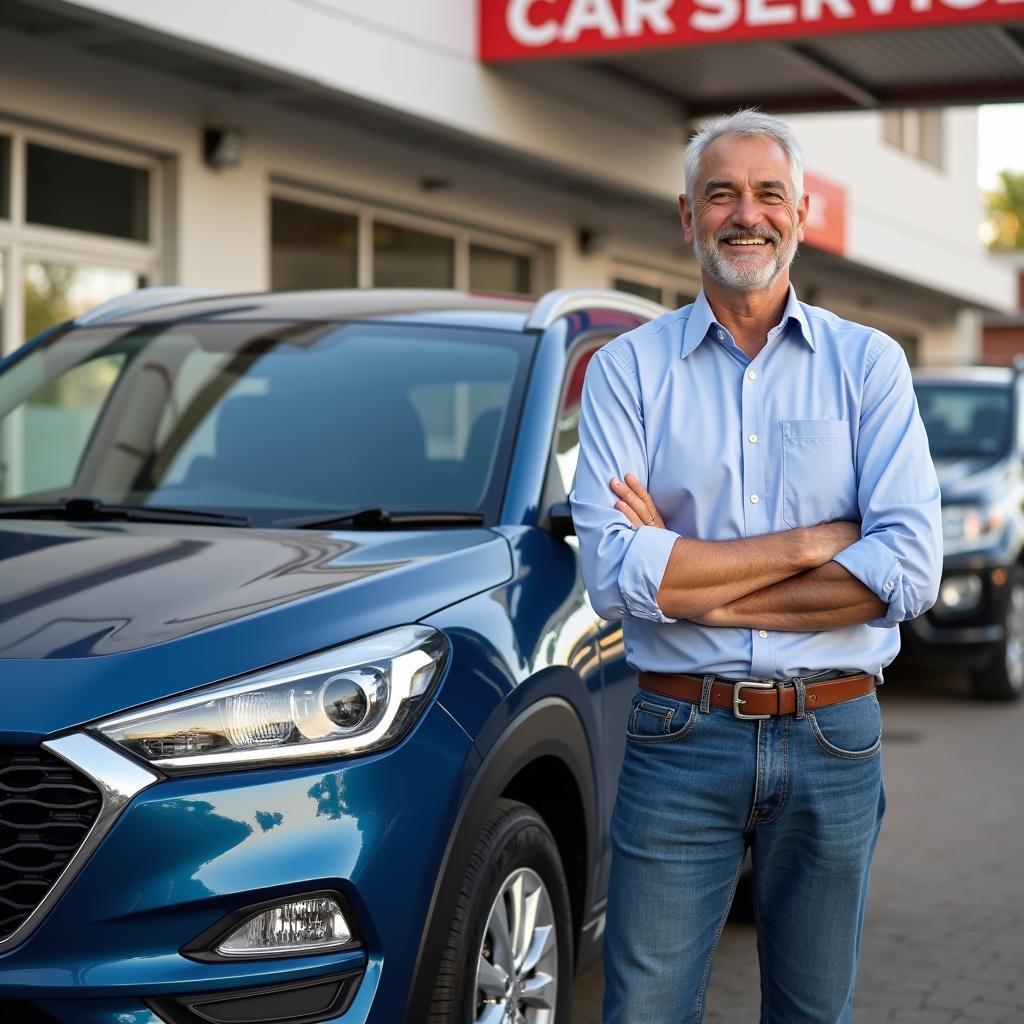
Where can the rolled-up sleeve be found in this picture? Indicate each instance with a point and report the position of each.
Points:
(899, 555)
(622, 567)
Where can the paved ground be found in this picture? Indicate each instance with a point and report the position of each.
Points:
(944, 935)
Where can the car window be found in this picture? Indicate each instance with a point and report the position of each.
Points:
(281, 418)
(567, 433)
(964, 420)
(43, 439)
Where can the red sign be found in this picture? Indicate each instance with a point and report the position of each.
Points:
(524, 29)
(826, 215)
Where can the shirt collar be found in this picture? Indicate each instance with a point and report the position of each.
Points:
(702, 319)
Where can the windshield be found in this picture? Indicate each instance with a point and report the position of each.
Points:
(964, 420)
(270, 419)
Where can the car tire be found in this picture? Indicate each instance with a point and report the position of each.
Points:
(1003, 679)
(510, 942)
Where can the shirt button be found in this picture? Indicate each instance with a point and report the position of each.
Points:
(721, 335)
(751, 375)
(754, 499)
(763, 634)
(752, 438)
(889, 586)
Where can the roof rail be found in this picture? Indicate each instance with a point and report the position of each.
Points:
(142, 298)
(554, 304)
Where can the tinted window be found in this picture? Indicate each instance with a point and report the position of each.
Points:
(312, 247)
(966, 419)
(645, 291)
(406, 258)
(288, 418)
(567, 438)
(68, 190)
(44, 438)
(492, 270)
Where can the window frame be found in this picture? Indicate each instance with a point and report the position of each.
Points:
(368, 213)
(669, 281)
(21, 241)
(554, 486)
(905, 130)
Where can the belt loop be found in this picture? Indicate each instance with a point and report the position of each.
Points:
(801, 697)
(705, 693)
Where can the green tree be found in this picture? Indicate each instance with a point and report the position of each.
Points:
(1005, 205)
(46, 295)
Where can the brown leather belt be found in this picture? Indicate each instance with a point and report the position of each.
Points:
(757, 698)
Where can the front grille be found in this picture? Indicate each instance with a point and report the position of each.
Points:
(46, 811)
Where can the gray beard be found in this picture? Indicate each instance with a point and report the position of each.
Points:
(742, 279)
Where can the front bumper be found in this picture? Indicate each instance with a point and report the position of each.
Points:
(187, 852)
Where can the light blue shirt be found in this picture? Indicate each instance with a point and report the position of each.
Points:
(821, 425)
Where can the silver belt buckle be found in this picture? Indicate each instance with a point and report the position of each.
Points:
(737, 700)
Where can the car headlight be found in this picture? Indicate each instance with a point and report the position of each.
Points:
(349, 700)
(958, 595)
(970, 526)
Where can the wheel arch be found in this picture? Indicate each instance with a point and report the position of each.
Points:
(545, 743)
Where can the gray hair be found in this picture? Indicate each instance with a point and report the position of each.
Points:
(747, 123)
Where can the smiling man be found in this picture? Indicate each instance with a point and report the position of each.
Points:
(755, 499)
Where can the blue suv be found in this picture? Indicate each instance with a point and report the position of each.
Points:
(306, 714)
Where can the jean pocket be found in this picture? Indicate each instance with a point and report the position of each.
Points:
(656, 721)
(851, 730)
(819, 479)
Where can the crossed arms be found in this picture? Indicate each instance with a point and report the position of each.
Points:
(781, 581)
(879, 571)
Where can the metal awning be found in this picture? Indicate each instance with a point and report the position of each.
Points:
(711, 56)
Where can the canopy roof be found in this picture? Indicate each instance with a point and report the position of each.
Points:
(783, 55)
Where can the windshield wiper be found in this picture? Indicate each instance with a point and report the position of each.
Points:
(374, 517)
(94, 510)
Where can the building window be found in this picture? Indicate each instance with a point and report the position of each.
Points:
(56, 291)
(670, 289)
(70, 190)
(645, 291)
(5, 177)
(79, 225)
(406, 258)
(312, 247)
(493, 270)
(919, 133)
(320, 241)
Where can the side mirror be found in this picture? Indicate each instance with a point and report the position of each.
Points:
(560, 520)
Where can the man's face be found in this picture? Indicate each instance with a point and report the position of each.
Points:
(746, 219)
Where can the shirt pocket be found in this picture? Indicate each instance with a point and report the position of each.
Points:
(819, 479)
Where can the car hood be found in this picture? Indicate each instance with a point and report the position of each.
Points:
(131, 612)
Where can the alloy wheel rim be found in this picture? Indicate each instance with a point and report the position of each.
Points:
(517, 963)
(1015, 637)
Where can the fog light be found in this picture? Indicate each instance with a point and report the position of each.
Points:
(958, 594)
(302, 926)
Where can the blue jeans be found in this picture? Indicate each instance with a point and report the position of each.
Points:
(698, 787)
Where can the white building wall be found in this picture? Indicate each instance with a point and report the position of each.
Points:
(419, 57)
(905, 216)
(217, 224)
